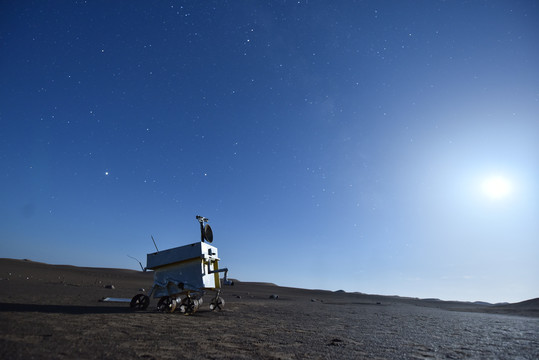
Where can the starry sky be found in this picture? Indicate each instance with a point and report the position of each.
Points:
(386, 147)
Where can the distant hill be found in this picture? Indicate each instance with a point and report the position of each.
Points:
(532, 304)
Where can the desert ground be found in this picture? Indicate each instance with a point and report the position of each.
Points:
(55, 312)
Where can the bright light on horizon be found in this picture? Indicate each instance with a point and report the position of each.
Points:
(497, 187)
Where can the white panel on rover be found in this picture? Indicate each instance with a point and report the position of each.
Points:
(184, 268)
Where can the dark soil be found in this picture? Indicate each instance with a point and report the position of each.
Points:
(52, 311)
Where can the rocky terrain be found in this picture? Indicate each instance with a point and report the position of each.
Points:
(53, 311)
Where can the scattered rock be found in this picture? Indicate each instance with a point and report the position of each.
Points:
(110, 287)
(335, 342)
(274, 296)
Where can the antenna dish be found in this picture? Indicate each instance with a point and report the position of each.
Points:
(208, 233)
(205, 231)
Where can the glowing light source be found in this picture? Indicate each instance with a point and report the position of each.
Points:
(496, 187)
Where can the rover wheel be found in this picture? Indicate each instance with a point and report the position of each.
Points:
(166, 304)
(189, 305)
(217, 303)
(140, 302)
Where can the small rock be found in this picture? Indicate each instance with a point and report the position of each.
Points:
(110, 287)
(274, 296)
(335, 342)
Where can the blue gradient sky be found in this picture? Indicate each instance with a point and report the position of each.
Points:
(334, 145)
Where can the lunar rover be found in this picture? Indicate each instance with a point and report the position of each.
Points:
(183, 275)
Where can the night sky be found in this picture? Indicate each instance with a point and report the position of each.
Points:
(387, 147)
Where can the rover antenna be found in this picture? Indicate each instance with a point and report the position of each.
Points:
(154, 244)
(137, 261)
(205, 231)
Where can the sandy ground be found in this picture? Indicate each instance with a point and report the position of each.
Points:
(51, 311)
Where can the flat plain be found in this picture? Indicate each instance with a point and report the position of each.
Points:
(55, 312)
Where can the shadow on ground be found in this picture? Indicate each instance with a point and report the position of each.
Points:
(63, 309)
